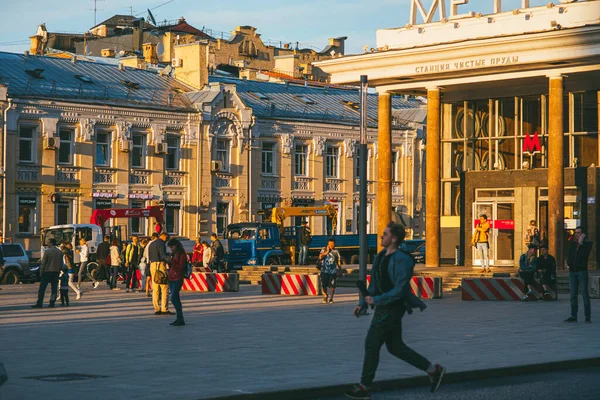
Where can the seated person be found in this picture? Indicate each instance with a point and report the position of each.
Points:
(527, 268)
(546, 267)
(262, 233)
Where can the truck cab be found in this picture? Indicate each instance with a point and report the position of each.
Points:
(253, 243)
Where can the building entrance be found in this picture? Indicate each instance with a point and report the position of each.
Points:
(500, 212)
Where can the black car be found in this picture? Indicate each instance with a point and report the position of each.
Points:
(419, 254)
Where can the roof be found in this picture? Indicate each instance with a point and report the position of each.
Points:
(182, 26)
(118, 20)
(326, 104)
(89, 81)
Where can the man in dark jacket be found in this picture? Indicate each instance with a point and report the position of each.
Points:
(305, 239)
(102, 255)
(50, 267)
(577, 260)
(546, 266)
(389, 291)
(218, 254)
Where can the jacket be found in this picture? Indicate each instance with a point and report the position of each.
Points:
(115, 256)
(400, 271)
(130, 252)
(305, 235)
(577, 259)
(68, 258)
(52, 260)
(102, 252)
(206, 257)
(157, 251)
(177, 265)
(218, 253)
(481, 234)
(525, 265)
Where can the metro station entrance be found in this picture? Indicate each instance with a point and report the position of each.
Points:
(499, 206)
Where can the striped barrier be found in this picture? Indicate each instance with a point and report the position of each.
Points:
(298, 285)
(271, 283)
(500, 289)
(209, 282)
(424, 287)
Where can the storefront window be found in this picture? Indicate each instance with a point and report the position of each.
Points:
(172, 213)
(27, 214)
(137, 224)
(222, 217)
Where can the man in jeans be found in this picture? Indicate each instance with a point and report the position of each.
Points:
(577, 260)
(157, 257)
(481, 242)
(389, 291)
(330, 265)
(305, 239)
(102, 255)
(218, 254)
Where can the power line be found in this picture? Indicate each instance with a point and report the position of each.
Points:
(154, 8)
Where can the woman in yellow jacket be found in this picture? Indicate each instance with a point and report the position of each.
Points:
(481, 242)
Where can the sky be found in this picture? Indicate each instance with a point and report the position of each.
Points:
(310, 22)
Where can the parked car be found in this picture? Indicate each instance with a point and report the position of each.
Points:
(419, 254)
(16, 264)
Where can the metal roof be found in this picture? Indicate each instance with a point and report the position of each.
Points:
(89, 81)
(326, 104)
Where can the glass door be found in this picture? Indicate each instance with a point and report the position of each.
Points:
(501, 239)
(481, 208)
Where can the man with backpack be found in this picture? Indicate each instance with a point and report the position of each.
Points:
(389, 292)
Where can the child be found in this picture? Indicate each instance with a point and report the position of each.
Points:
(64, 286)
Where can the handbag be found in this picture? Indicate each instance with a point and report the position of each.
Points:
(160, 277)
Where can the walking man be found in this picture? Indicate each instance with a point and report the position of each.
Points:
(330, 265)
(157, 256)
(305, 239)
(577, 260)
(102, 256)
(481, 242)
(389, 291)
(50, 267)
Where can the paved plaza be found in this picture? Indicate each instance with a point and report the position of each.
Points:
(236, 343)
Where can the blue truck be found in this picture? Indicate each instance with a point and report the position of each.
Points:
(261, 243)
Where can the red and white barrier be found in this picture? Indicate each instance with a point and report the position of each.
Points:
(499, 289)
(209, 282)
(298, 285)
(271, 283)
(424, 287)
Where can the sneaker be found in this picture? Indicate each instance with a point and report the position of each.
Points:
(157, 313)
(126, 290)
(116, 288)
(571, 319)
(96, 284)
(167, 313)
(525, 298)
(358, 392)
(330, 301)
(588, 320)
(78, 296)
(436, 377)
(325, 300)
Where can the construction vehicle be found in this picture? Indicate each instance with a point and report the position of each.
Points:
(94, 232)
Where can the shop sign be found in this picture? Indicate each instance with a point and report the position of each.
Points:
(173, 204)
(500, 224)
(104, 203)
(531, 144)
(141, 196)
(466, 64)
(269, 199)
(29, 201)
(104, 195)
(572, 223)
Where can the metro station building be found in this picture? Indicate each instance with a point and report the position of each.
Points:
(512, 126)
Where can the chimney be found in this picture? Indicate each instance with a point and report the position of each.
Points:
(338, 42)
(150, 55)
(138, 34)
(107, 53)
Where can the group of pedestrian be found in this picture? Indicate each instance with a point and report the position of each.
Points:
(210, 256)
(542, 268)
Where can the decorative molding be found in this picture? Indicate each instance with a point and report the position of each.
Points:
(205, 202)
(158, 133)
(124, 130)
(287, 143)
(49, 127)
(319, 145)
(86, 131)
(350, 147)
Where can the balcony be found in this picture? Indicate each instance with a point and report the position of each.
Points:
(67, 174)
(173, 178)
(28, 173)
(370, 186)
(269, 182)
(104, 175)
(333, 185)
(223, 181)
(302, 184)
(139, 177)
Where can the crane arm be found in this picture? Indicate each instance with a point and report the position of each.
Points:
(279, 214)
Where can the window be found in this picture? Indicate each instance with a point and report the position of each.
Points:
(172, 158)
(12, 250)
(332, 165)
(27, 143)
(259, 95)
(64, 212)
(268, 155)
(172, 213)
(65, 152)
(305, 100)
(103, 148)
(222, 217)
(137, 224)
(394, 166)
(223, 153)
(27, 214)
(301, 160)
(138, 152)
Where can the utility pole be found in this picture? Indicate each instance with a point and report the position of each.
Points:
(362, 176)
(96, 10)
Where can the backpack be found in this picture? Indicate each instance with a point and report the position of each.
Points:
(189, 268)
